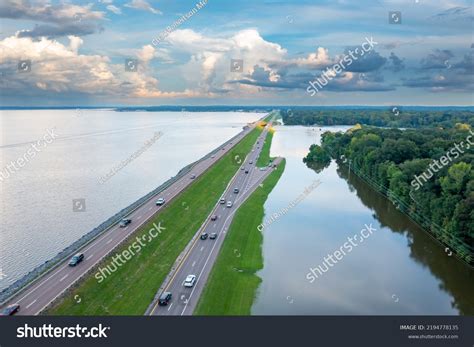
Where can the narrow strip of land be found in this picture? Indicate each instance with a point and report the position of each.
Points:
(137, 280)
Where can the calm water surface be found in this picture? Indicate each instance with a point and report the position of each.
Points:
(399, 269)
(36, 214)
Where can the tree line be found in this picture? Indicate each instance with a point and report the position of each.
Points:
(408, 167)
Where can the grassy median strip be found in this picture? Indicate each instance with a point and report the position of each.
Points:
(131, 288)
(264, 157)
(232, 284)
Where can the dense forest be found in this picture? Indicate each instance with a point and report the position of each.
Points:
(392, 117)
(427, 173)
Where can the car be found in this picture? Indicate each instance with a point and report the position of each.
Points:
(258, 147)
(164, 299)
(192, 177)
(223, 148)
(242, 168)
(258, 141)
(190, 280)
(270, 165)
(246, 171)
(160, 202)
(204, 236)
(229, 203)
(214, 217)
(10, 310)
(222, 201)
(76, 259)
(124, 222)
(236, 190)
(263, 168)
(213, 236)
(213, 156)
(251, 162)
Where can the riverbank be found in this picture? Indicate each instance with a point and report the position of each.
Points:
(233, 282)
(137, 280)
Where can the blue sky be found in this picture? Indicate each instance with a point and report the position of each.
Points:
(78, 52)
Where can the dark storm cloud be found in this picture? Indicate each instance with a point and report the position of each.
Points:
(396, 63)
(371, 82)
(439, 59)
(370, 61)
(60, 19)
(63, 30)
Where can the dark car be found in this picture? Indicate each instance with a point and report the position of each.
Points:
(124, 222)
(10, 310)
(246, 171)
(164, 299)
(213, 217)
(213, 236)
(204, 236)
(251, 162)
(192, 177)
(236, 190)
(76, 259)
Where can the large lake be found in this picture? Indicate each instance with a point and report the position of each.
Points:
(36, 216)
(397, 270)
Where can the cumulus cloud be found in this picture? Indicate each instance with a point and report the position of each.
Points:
(60, 68)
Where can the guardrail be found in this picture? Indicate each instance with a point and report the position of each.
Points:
(51, 264)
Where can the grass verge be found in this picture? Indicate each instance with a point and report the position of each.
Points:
(130, 289)
(232, 284)
(264, 157)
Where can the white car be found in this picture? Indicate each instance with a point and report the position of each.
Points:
(160, 202)
(229, 203)
(190, 280)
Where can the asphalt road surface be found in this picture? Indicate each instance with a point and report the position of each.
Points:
(40, 293)
(203, 253)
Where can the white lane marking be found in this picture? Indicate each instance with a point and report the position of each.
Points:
(31, 303)
(96, 242)
(202, 248)
(89, 256)
(194, 263)
(63, 278)
(169, 308)
(109, 241)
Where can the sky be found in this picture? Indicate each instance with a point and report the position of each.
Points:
(227, 52)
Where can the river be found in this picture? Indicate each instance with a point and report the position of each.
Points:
(397, 270)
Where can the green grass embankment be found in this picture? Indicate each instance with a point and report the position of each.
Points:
(130, 289)
(232, 284)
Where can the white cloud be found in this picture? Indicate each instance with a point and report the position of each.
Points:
(114, 9)
(61, 68)
(142, 5)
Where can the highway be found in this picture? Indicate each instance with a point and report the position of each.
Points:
(35, 297)
(202, 253)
